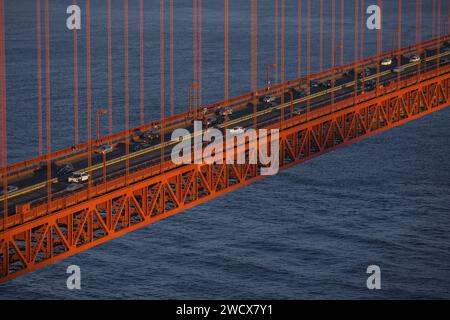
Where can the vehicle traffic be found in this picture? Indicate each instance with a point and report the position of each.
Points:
(236, 130)
(65, 169)
(414, 58)
(79, 177)
(10, 189)
(386, 62)
(106, 148)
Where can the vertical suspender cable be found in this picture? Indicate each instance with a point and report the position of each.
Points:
(379, 44)
(399, 39)
(299, 38)
(342, 31)
(253, 46)
(282, 76)
(161, 75)
(126, 88)
(75, 84)
(89, 89)
(361, 54)
(282, 59)
(200, 58)
(333, 49)
(308, 55)
(321, 36)
(39, 74)
(141, 61)
(254, 53)
(195, 57)
(172, 103)
(3, 114)
(438, 34)
(356, 51)
(110, 102)
(276, 41)
(433, 29)
(225, 53)
(48, 104)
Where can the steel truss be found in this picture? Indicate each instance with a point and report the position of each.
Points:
(75, 228)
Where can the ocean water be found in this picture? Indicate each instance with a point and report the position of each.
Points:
(309, 232)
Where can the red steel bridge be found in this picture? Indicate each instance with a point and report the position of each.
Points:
(133, 181)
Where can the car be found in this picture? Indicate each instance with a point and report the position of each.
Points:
(10, 189)
(225, 112)
(347, 73)
(150, 135)
(65, 169)
(371, 84)
(315, 83)
(79, 177)
(386, 62)
(414, 58)
(211, 121)
(297, 111)
(269, 99)
(140, 146)
(236, 130)
(365, 73)
(300, 93)
(106, 148)
(398, 69)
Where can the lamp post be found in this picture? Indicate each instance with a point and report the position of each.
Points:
(97, 120)
(393, 34)
(341, 45)
(104, 166)
(268, 67)
(191, 104)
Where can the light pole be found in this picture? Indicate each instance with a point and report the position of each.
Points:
(191, 104)
(97, 120)
(104, 166)
(393, 34)
(341, 45)
(268, 67)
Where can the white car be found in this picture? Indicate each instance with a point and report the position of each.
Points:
(297, 111)
(236, 130)
(386, 62)
(269, 99)
(106, 148)
(10, 189)
(414, 58)
(79, 177)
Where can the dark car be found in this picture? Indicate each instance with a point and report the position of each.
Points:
(370, 85)
(140, 146)
(211, 121)
(315, 83)
(327, 84)
(65, 169)
(300, 94)
(10, 189)
(150, 135)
